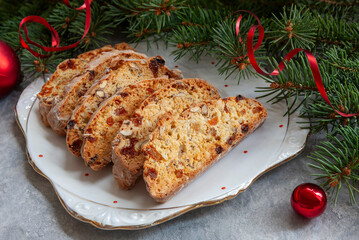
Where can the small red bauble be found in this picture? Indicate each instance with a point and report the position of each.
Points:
(9, 69)
(309, 200)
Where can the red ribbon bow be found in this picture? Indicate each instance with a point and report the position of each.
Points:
(312, 61)
(55, 42)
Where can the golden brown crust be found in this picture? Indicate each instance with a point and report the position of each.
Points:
(175, 97)
(123, 46)
(207, 131)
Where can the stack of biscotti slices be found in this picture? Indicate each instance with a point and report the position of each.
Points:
(72, 93)
(117, 105)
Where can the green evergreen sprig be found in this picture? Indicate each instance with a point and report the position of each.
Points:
(231, 52)
(337, 161)
(193, 36)
(295, 84)
(292, 30)
(335, 31)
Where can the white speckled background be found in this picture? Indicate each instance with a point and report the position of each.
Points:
(29, 208)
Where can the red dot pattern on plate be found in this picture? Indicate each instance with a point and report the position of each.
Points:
(223, 188)
(41, 155)
(245, 151)
(176, 66)
(114, 201)
(280, 126)
(226, 85)
(86, 174)
(212, 62)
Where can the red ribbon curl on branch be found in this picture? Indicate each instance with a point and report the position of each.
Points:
(55, 40)
(312, 61)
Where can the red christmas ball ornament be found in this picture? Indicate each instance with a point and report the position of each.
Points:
(309, 200)
(9, 69)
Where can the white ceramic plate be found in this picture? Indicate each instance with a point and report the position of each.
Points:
(94, 196)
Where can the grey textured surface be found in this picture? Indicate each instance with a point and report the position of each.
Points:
(29, 208)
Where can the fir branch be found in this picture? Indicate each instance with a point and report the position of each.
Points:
(341, 9)
(342, 86)
(338, 161)
(194, 37)
(231, 52)
(148, 15)
(332, 31)
(101, 25)
(9, 32)
(344, 97)
(339, 58)
(294, 84)
(62, 19)
(292, 30)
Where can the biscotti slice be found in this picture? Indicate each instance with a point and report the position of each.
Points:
(181, 148)
(107, 120)
(127, 155)
(72, 94)
(65, 72)
(121, 74)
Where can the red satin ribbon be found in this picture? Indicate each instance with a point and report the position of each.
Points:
(312, 61)
(55, 40)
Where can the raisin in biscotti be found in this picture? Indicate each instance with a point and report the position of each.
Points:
(64, 104)
(181, 148)
(65, 72)
(121, 74)
(107, 120)
(127, 155)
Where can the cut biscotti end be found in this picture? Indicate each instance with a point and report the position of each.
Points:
(108, 118)
(133, 134)
(61, 112)
(71, 67)
(65, 71)
(181, 148)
